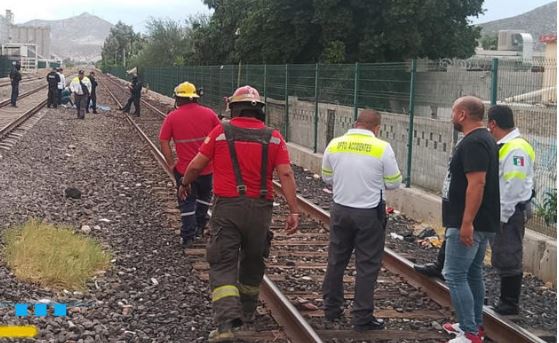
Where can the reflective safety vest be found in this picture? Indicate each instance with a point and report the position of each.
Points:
(360, 166)
(516, 172)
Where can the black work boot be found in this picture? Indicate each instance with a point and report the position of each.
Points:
(248, 307)
(373, 324)
(510, 295)
(334, 315)
(224, 331)
(430, 269)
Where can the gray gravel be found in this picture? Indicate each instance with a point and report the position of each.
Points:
(124, 197)
(538, 302)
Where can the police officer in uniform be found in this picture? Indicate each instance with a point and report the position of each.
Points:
(135, 92)
(53, 79)
(516, 184)
(92, 99)
(245, 154)
(15, 78)
(360, 167)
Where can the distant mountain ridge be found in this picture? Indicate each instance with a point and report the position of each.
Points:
(539, 21)
(79, 38)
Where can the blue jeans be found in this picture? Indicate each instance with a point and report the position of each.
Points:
(463, 272)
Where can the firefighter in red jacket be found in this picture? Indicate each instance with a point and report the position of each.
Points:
(188, 126)
(245, 154)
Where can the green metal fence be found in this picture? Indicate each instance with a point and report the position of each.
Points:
(313, 103)
(5, 66)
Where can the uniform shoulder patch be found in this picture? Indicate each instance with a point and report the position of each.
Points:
(518, 161)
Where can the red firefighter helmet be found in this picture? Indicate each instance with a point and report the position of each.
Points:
(246, 94)
(246, 98)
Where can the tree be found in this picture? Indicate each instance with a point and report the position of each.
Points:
(489, 42)
(167, 43)
(121, 44)
(214, 39)
(308, 31)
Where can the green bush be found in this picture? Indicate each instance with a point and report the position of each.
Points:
(548, 208)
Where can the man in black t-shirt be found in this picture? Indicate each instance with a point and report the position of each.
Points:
(471, 214)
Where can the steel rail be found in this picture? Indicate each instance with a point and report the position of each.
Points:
(6, 102)
(150, 106)
(294, 325)
(29, 79)
(496, 327)
(153, 148)
(21, 119)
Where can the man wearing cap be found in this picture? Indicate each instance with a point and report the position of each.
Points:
(188, 126)
(135, 89)
(81, 87)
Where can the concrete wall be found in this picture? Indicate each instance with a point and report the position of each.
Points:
(433, 139)
(540, 252)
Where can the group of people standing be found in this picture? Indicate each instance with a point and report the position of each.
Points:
(83, 87)
(59, 93)
(486, 194)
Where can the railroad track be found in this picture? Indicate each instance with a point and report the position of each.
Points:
(410, 301)
(14, 123)
(27, 79)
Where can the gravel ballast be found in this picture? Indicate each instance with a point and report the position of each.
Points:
(149, 294)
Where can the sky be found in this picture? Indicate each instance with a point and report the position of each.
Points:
(137, 12)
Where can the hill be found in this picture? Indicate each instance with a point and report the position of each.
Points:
(79, 38)
(539, 21)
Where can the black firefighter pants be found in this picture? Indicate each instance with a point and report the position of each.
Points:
(239, 228)
(362, 230)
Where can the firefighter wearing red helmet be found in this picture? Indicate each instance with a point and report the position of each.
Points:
(245, 154)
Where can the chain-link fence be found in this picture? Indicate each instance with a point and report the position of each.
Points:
(311, 104)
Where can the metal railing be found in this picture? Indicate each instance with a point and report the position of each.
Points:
(312, 103)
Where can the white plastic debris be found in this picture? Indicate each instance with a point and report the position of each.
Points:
(154, 280)
(326, 190)
(105, 220)
(316, 176)
(396, 236)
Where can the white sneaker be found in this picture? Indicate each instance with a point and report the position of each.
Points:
(465, 338)
(453, 328)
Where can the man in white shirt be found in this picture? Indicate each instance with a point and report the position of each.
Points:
(61, 85)
(360, 167)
